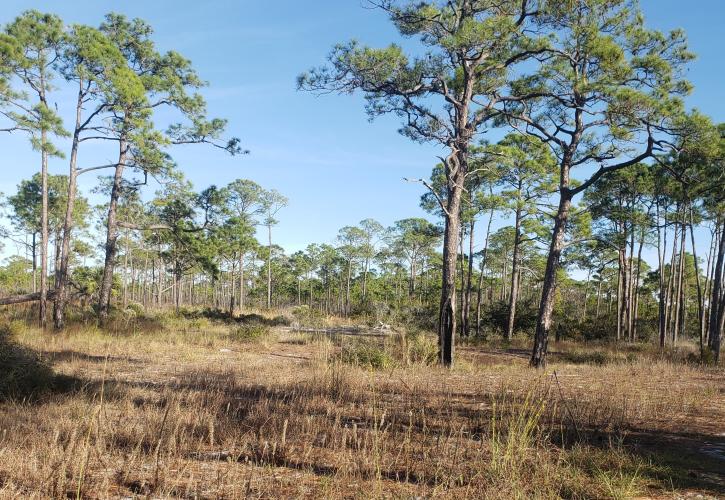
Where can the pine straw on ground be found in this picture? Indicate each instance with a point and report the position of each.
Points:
(198, 414)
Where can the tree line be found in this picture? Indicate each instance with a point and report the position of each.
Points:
(121, 83)
(598, 163)
(585, 78)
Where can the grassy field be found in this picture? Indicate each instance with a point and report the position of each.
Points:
(208, 408)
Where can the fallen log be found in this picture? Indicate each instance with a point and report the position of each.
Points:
(28, 297)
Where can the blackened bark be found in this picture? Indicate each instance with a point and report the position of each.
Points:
(447, 315)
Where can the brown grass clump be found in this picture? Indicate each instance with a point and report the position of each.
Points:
(202, 411)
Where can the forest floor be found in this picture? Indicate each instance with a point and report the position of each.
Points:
(204, 409)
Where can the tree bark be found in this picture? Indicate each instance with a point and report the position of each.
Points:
(20, 299)
(241, 282)
(465, 321)
(661, 305)
(717, 304)
(548, 292)
(480, 276)
(63, 273)
(679, 290)
(104, 299)
(513, 296)
(447, 311)
(35, 261)
(43, 310)
(269, 268)
(700, 300)
(670, 283)
(636, 288)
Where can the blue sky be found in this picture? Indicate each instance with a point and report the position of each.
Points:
(335, 167)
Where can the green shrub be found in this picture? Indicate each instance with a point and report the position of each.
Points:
(422, 350)
(308, 317)
(367, 355)
(249, 332)
(707, 357)
(279, 320)
(137, 308)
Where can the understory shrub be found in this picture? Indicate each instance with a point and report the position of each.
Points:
(367, 355)
(250, 332)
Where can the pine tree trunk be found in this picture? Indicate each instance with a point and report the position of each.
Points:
(104, 300)
(710, 278)
(480, 276)
(447, 311)
(241, 282)
(679, 290)
(620, 292)
(269, 268)
(43, 312)
(548, 291)
(465, 323)
(34, 246)
(669, 299)
(461, 278)
(513, 296)
(661, 305)
(347, 287)
(365, 279)
(63, 273)
(636, 288)
(599, 296)
(717, 300)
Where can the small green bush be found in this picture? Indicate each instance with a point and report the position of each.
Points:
(249, 332)
(422, 350)
(308, 317)
(367, 355)
(137, 308)
(707, 357)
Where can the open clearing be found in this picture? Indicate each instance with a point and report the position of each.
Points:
(195, 413)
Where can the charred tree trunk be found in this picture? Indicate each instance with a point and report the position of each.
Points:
(447, 311)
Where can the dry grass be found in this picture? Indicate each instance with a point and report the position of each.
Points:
(191, 409)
